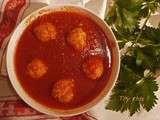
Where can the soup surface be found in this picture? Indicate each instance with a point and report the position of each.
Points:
(51, 55)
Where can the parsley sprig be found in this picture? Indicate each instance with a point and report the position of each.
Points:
(136, 85)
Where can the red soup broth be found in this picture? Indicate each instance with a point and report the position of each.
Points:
(62, 60)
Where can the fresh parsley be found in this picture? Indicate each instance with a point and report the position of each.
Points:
(136, 84)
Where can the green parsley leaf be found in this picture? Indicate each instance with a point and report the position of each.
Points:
(135, 87)
(120, 16)
(148, 87)
(148, 57)
(152, 34)
(133, 91)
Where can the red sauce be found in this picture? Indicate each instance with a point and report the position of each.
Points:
(62, 60)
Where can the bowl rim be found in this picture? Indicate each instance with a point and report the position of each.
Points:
(115, 53)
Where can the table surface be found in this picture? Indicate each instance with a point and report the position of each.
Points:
(13, 108)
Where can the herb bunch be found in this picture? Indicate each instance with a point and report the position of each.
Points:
(136, 85)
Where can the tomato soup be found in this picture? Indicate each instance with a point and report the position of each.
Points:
(59, 60)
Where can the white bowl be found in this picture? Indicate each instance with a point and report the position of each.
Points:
(11, 66)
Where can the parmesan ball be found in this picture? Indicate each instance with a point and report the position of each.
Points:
(77, 39)
(93, 67)
(36, 68)
(45, 32)
(63, 90)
